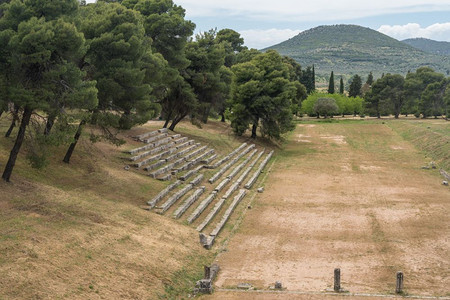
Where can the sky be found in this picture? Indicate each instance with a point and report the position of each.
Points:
(264, 23)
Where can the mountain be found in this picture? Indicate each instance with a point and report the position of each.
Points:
(430, 46)
(352, 49)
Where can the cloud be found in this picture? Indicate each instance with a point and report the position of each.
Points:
(317, 10)
(438, 31)
(259, 39)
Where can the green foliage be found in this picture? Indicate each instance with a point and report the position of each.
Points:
(341, 86)
(370, 79)
(325, 107)
(433, 102)
(331, 84)
(355, 86)
(261, 95)
(346, 105)
(120, 52)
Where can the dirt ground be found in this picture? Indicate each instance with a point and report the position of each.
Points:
(349, 196)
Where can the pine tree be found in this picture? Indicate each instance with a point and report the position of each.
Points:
(341, 86)
(331, 84)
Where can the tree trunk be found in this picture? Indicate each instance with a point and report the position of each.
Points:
(166, 123)
(16, 148)
(49, 125)
(74, 143)
(222, 114)
(1, 111)
(206, 113)
(13, 123)
(175, 122)
(254, 127)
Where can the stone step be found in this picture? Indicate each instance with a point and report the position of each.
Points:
(188, 202)
(201, 207)
(228, 157)
(258, 171)
(222, 184)
(163, 193)
(181, 140)
(249, 168)
(172, 199)
(155, 138)
(231, 190)
(209, 159)
(190, 173)
(222, 171)
(237, 169)
(141, 137)
(211, 214)
(212, 236)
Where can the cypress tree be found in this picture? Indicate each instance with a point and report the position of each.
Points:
(370, 79)
(331, 84)
(341, 86)
(313, 79)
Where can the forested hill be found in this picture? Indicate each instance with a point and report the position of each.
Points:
(430, 46)
(352, 49)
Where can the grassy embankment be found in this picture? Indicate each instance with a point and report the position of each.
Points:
(77, 230)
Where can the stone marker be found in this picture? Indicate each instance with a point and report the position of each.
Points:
(399, 285)
(337, 280)
(260, 190)
(278, 285)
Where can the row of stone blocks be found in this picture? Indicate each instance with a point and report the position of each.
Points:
(219, 174)
(162, 145)
(205, 203)
(172, 199)
(189, 160)
(150, 134)
(230, 190)
(208, 241)
(227, 157)
(258, 171)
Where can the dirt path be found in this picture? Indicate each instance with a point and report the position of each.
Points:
(349, 196)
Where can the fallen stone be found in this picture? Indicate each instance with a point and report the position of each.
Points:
(260, 190)
(127, 167)
(445, 182)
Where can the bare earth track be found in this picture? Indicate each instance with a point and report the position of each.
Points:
(349, 196)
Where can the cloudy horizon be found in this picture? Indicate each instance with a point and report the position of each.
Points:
(264, 23)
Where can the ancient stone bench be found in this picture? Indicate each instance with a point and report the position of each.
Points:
(219, 204)
(141, 137)
(249, 168)
(190, 173)
(227, 157)
(237, 169)
(255, 176)
(188, 202)
(225, 168)
(163, 193)
(201, 207)
(212, 236)
(172, 199)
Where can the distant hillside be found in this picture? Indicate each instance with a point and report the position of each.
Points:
(351, 49)
(430, 46)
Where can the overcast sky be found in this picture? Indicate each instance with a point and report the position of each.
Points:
(263, 23)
